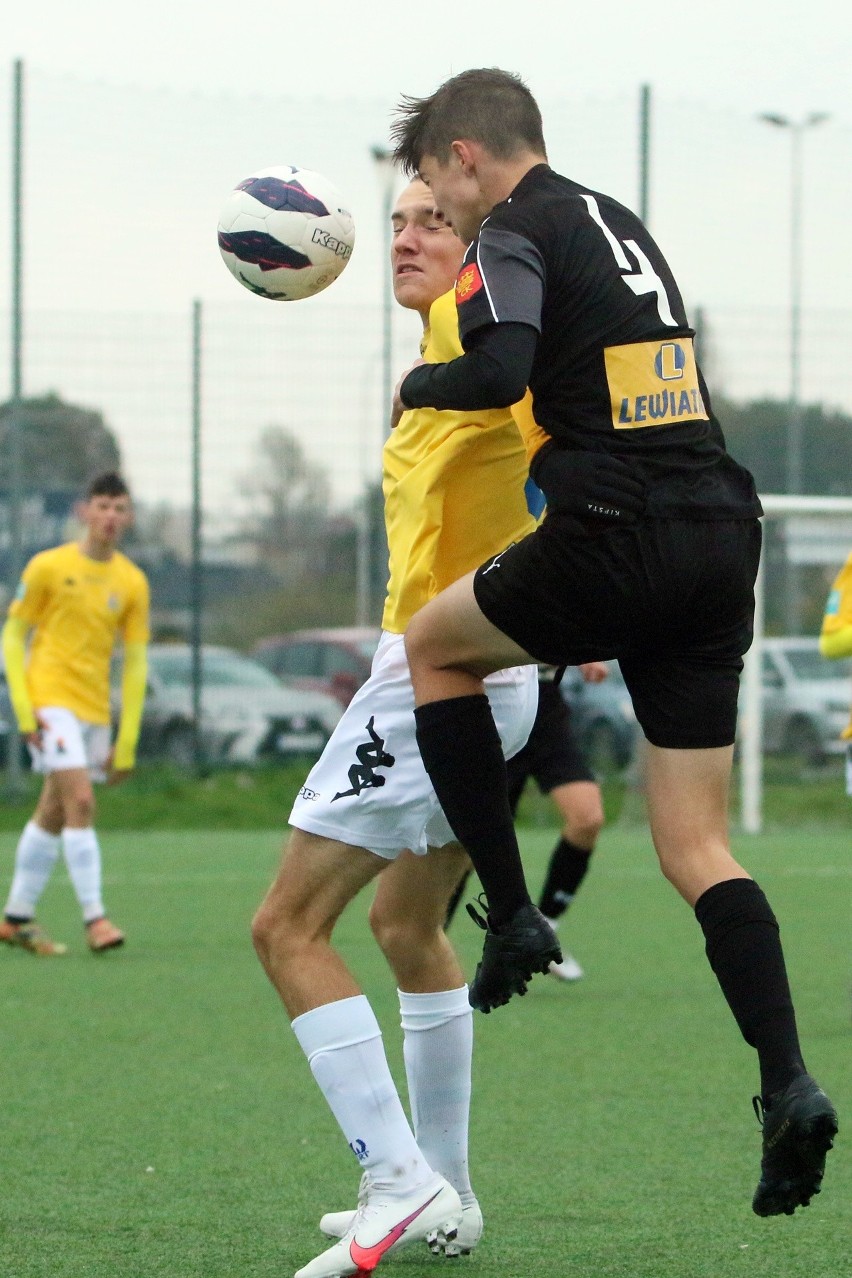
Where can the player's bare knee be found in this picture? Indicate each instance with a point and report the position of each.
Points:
(79, 809)
(274, 934)
(583, 832)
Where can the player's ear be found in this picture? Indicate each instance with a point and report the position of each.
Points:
(464, 155)
(79, 511)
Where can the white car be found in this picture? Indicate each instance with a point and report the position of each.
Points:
(805, 699)
(248, 715)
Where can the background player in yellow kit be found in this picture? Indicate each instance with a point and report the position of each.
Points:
(368, 806)
(74, 602)
(835, 639)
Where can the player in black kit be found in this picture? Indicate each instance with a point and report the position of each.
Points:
(647, 554)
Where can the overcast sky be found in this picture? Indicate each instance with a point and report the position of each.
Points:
(783, 55)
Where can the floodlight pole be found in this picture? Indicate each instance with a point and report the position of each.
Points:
(794, 459)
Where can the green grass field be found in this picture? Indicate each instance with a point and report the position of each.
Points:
(161, 1122)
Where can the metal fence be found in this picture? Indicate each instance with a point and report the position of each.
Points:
(262, 429)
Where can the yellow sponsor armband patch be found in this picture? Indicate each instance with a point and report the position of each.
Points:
(653, 384)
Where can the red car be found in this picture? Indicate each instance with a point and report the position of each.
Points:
(336, 660)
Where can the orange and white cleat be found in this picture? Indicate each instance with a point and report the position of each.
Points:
(30, 936)
(103, 935)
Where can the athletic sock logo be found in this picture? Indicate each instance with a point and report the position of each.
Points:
(371, 755)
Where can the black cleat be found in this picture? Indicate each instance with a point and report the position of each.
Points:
(525, 945)
(799, 1126)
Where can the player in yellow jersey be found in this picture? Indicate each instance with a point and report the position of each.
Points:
(368, 807)
(836, 640)
(74, 603)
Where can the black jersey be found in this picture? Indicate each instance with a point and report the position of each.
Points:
(614, 367)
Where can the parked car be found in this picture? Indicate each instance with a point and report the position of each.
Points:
(602, 717)
(336, 660)
(805, 699)
(247, 714)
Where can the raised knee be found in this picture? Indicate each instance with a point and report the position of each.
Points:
(390, 931)
(269, 933)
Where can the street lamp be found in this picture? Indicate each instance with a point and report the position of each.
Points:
(794, 421)
(794, 452)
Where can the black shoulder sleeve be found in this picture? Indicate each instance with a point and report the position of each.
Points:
(501, 282)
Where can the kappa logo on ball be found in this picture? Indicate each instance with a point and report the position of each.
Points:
(468, 283)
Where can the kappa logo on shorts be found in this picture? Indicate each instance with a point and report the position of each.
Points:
(371, 755)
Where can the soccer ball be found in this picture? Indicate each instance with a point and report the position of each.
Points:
(285, 233)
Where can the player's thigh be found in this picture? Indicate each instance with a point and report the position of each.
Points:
(452, 631)
(49, 812)
(688, 793)
(76, 795)
(316, 880)
(414, 891)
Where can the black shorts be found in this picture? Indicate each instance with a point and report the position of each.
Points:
(551, 756)
(671, 599)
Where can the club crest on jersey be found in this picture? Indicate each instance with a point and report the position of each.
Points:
(469, 282)
(653, 384)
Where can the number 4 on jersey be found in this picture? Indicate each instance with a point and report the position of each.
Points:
(646, 279)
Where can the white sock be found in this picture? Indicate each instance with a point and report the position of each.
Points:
(343, 1044)
(83, 858)
(438, 1051)
(35, 858)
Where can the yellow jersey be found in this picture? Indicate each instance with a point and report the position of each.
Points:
(836, 633)
(78, 607)
(454, 487)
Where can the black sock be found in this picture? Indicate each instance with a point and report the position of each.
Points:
(455, 899)
(462, 753)
(565, 872)
(744, 950)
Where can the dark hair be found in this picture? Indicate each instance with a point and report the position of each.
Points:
(489, 106)
(109, 484)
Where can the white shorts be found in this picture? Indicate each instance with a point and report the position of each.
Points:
(69, 742)
(369, 788)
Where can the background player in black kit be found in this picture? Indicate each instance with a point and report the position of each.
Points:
(648, 554)
(553, 759)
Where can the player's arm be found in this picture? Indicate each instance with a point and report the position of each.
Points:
(499, 298)
(133, 683)
(14, 641)
(492, 373)
(134, 679)
(836, 635)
